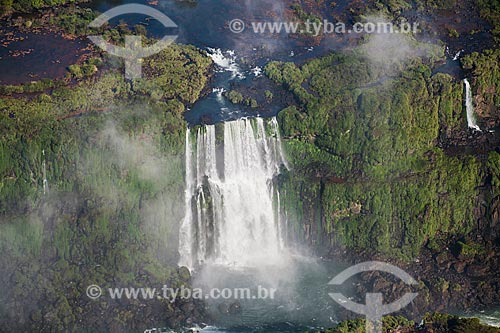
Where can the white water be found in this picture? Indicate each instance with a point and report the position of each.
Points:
(231, 207)
(257, 71)
(471, 120)
(226, 61)
(218, 92)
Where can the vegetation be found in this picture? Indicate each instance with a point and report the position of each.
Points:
(303, 15)
(490, 10)
(269, 95)
(29, 5)
(236, 97)
(485, 70)
(359, 139)
(432, 322)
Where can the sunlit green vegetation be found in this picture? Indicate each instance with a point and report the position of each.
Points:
(363, 145)
(29, 5)
(432, 322)
(485, 70)
(490, 10)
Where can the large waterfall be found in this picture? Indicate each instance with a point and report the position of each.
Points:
(471, 119)
(232, 214)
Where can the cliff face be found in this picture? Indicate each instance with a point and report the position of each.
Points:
(386, 167)
(373, 167)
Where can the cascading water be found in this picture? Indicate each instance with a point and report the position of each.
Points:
(471, 120)
(44, 170)
(232, 208)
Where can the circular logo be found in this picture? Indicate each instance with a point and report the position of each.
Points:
(94, 291)
(237, 26)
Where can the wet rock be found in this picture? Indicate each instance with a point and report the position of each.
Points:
(187, 307)
(442, 259)
(459, 267)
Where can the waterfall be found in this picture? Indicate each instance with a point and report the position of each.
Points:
(218, 92)
(232, 212)
(471, 120)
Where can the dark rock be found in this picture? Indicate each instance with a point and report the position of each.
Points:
(187, 308)
(442, 259)
(476, 271)
(459, 267)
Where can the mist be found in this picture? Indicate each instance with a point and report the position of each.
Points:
(392, 52)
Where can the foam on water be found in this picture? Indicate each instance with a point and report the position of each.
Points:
(226, 61)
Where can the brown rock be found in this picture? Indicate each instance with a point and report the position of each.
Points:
(459, 267)
(476, 271)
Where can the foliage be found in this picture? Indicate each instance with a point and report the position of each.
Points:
(113, 156)
(178, 72)
(448, 323)
(485, 69)
(432, 322)
(469, 249)
(490, 10)
(303, 15)
(390, 324)
(234, 96)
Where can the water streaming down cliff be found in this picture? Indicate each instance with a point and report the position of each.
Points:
(471, 120)
(44, 171)
(232, 212)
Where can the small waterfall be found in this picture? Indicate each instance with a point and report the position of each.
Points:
(226, 61)
(44, 170)
(218, 92)
(471, 119)
(232, 212)
(457, 55)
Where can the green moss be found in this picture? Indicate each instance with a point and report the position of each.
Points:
(448, 323)
(432, 322)
(390, 324)
(371, 141)
(114, 162)
(469, 249)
